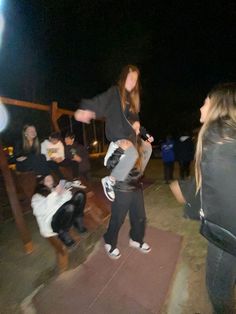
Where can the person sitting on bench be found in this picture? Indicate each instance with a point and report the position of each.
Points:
(27, 153)
(57, 209)
(54, 151)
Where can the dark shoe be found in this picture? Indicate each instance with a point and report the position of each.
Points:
(79, 225)
(66, 238)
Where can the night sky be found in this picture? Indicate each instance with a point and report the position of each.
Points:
(66, 50)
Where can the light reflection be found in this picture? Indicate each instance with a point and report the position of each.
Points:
(3, 117)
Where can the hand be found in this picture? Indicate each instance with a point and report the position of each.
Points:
(77, 158)
(136, 127)
(57, 159)
(59, 189)
(22, 158)
(84, 116)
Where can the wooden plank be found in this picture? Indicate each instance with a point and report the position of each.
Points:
(26, 104)
(31, 105)
(14, 202)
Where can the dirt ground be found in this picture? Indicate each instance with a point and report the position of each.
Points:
(188, 294)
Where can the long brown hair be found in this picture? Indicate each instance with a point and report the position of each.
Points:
(26, 145)
(222, 113)
(134, 95)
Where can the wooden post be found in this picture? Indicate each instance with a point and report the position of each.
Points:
(54, 116)
(14, 202)
(84, 136)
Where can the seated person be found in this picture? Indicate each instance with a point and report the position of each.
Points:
(57, 210)
(54, 151)
(27, 153)
(185, 193)
(77, 153)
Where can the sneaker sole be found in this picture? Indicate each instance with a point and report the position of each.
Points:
(104, 190)
(140, 249)
(110, 255)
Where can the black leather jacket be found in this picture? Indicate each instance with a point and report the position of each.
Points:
(218, 169)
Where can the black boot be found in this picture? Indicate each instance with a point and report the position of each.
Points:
(79, 225)
(66, 238)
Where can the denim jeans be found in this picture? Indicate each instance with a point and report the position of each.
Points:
(128, 159)
(220, 279)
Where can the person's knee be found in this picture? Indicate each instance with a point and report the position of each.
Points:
(131, 153)
(79, 198)
(69, 208)
(125, 144)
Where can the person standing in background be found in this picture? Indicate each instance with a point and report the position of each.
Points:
(168, 157)
(184, 154)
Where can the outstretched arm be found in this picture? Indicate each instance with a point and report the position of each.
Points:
(96, 107)
(84, 116)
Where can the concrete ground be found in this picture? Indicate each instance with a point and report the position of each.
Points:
(20, 274)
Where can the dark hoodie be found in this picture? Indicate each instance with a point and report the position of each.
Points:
(108, 105)
(184, 149)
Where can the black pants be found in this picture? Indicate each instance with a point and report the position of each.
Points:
(36, 163)
(168, 171)
(67, 214)
(184, 169)
(67, 163)
(133, 202)
(220, 279)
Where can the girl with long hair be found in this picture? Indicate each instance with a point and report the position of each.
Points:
(27, 152)
(215, 171)
(120, 106)
(57, 209)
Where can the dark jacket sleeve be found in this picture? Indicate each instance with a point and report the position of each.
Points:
(100, 103)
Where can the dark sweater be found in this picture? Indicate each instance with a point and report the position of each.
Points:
(108, 105)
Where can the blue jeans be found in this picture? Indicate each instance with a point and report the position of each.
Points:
(220, 279)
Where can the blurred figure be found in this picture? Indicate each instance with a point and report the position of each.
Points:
(184, 154)
(168, 157)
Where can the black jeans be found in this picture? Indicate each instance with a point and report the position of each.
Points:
(36, 163)
(67, 163)
(220, 279)
(67, 214)
(133, 202)
(168, 170)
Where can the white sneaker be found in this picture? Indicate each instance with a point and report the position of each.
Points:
(107, 185)
(115, 254)
(144, 247)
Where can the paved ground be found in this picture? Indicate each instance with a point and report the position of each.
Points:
(20, 275)
(136, 283)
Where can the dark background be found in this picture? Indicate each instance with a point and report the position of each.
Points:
(66, 50)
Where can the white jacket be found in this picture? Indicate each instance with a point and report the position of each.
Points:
(45, 207)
